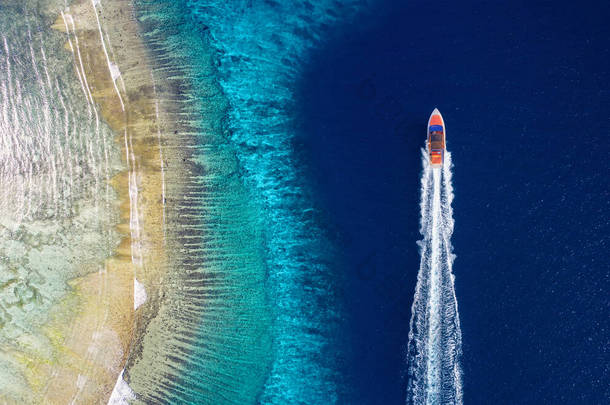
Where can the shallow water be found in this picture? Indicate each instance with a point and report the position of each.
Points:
(58, 209)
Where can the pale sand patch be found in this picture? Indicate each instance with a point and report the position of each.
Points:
(121, 394)
(139, 294)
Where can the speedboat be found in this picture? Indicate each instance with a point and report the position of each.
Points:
(436, 139)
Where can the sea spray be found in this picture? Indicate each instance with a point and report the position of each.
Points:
(435, 340)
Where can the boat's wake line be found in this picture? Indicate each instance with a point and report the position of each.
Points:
(435, 338)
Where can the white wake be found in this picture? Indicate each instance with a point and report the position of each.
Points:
(435, 338)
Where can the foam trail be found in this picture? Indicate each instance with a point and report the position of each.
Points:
(435, 338)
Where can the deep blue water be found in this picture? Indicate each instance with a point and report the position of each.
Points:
(523, 87)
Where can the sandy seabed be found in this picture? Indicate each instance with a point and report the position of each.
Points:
(93, 330)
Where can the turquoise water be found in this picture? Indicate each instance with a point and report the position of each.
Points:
(249, 312)
(254, 182)
(210, 341)
(262, 48)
